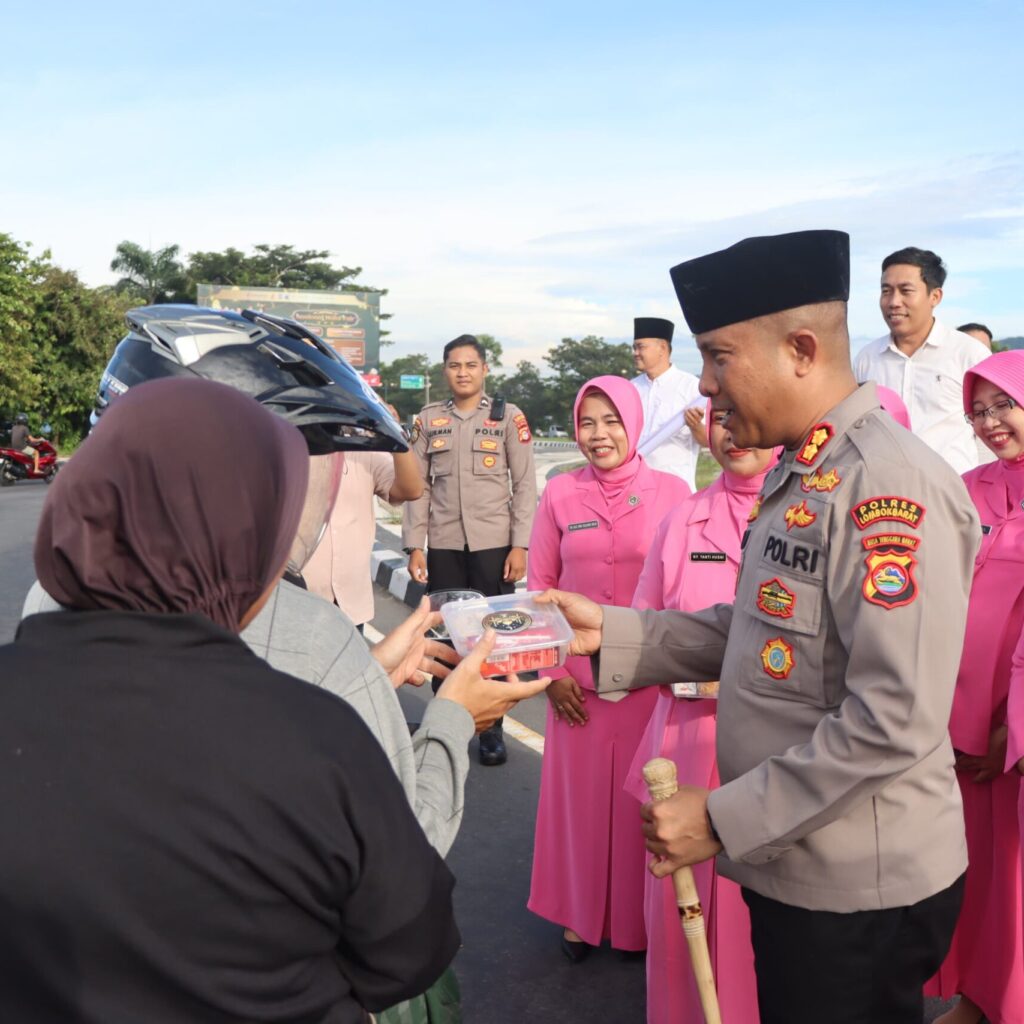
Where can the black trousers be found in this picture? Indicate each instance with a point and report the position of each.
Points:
(468, 570)
(449, 569)
(868, 967)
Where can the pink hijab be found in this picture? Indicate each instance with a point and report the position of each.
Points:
(1006, 371)
(626, 400)
(737, 494)
(891, 402)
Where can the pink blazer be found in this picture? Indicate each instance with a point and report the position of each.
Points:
(995, 615)
(579, 544)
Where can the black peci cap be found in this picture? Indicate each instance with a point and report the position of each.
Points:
(763, 275)
(653, 327)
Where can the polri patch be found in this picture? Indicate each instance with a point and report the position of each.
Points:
(890, 582)
(489, 461)
(441, 421)
(777, 658)
(885, 540)
(589, 525)
(819, 436)
(892, 507)
(522, 427)
(820, 482)
(799, 515)
(774, 598)
(417, 429)
(708, 556)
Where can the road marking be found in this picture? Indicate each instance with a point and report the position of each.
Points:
(523, 733)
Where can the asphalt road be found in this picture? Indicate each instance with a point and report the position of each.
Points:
(510, 967)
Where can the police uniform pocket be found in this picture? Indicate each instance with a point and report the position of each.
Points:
(788, 640)
(442, 458)
(488, 455)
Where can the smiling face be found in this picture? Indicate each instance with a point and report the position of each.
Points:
(743, 462)
(1003, 436)
(652, 355)
(743, 374)
(600, 433)
(906, 304)
(464, 371)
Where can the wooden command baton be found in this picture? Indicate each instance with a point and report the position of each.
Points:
(660, 776)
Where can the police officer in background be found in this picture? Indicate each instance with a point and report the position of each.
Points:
(479, 496)
(839, 812)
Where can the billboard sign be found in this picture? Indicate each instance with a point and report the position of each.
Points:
(348, 321)
(411, 381)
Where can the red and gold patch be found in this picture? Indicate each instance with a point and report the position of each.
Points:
(773, 598)
(488, 445)
(887, 507)
(417, 429)
(441, 421)
(522, 427)
(819, 436)
(777, 658)
(886, 540)
(491, 423)
(756, 510)
(818, 481)
(890, 579)
(799, 515)
(489, 461)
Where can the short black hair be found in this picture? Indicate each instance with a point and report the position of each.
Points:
(933, 270)
(460, 342)
(964, 328)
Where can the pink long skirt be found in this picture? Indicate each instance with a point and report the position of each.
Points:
(986, 959)
(589, 859)
(684, 732)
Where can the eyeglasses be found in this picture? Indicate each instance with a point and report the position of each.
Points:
(997, 411)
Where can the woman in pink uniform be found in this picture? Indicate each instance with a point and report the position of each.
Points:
(1015, 725)
(692, 564)
(590, 535)
(985, 965)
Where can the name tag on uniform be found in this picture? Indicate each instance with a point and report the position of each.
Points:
(707, 556)
(986, 529)
(592, 525)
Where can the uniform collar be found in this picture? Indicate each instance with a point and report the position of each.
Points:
(485, 403)
(818, 448)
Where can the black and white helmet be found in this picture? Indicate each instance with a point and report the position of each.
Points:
(279, 362)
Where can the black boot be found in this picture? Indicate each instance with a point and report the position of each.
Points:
(492, 746)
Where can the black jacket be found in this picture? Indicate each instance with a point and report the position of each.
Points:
(190, 836)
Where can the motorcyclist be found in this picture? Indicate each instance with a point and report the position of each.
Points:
(23, 441)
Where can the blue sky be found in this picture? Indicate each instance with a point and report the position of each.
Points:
(529, 170)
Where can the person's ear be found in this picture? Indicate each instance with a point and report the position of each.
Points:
(935, 297)
(804, 349)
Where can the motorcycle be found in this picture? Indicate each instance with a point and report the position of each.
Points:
(15, 465)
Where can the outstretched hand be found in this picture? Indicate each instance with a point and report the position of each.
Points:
(486, 699)
(410, 657)
(585, 616)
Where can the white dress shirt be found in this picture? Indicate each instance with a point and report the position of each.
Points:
(666, 398)
(930, 382)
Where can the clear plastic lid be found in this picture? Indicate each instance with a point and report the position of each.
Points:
(519, 622)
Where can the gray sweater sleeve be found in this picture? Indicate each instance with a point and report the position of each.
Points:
(305, 636)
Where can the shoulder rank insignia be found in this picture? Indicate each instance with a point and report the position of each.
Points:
(777, 658)
(819, 436)
(887, 506)
(890, 581)
(773, 598)
(818, 481)
(799, 515)
(756, 510)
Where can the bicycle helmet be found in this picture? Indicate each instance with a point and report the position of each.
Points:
(279, 362)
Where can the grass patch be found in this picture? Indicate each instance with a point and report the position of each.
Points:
(708, 471)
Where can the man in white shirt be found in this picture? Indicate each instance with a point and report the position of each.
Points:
(673, 431)
(921, 359)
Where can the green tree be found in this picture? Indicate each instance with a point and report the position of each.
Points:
(75, 330)
(151, 275)
(531, 392)
(19, 376)
(494, 349)
(573, 363)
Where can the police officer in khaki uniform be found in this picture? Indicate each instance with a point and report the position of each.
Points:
(839, 812)
(479, 497)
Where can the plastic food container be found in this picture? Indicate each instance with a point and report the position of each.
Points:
(530, 637)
